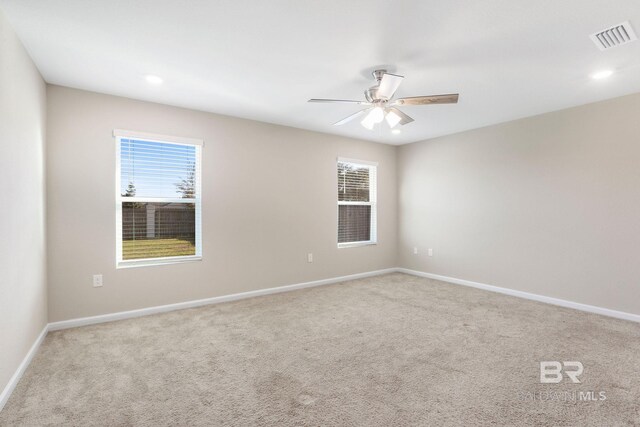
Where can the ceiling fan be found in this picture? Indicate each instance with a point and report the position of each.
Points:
(382, 106)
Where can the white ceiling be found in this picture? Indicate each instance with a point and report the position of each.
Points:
(262, 60)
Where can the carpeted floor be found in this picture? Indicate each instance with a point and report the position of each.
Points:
(386, 351)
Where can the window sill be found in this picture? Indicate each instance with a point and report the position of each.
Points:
(356, 244)
(149, 262)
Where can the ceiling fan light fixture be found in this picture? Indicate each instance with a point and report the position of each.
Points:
(376, 115)
(380, 104)
(367, 122)
(392, 119)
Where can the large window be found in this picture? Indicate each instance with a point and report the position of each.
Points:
(157, 199)
(356, 202)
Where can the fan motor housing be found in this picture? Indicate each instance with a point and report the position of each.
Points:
(371, 95)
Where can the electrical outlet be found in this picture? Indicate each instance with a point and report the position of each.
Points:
(309, 257)
(97, 280)
(430, 252)
(415, 250)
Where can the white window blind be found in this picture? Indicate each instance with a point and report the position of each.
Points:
(158, 209)
(357, 197)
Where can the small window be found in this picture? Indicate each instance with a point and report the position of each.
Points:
(356, 202)
(158, 199)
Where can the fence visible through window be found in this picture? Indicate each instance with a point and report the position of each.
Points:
(356, 202)
(158, 199)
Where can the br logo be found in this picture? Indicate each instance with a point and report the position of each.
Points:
(551, 371)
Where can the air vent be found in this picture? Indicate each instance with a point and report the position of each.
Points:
(615, 36)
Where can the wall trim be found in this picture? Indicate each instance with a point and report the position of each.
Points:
(83, 321)
(73, 323)
(13, 382)
(526, 295)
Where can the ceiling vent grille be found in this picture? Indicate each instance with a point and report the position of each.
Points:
(615, 36)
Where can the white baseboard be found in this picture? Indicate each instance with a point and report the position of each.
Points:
(65, 324)
(526, 295)
(73, 323)
(11, 385)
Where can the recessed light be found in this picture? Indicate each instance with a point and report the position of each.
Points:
(395, 131)
(602, 74)
(154, 80)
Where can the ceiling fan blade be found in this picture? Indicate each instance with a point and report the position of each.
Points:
(388, 85)
(404, 119)
(351, 117)
(340, 101)
(426, 100)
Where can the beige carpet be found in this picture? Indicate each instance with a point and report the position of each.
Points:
(391, 350)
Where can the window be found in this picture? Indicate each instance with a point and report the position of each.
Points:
(356, 202)
(158, 201)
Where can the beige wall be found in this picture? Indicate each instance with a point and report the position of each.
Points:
(23, 292)
(269, 198)
(548, 204)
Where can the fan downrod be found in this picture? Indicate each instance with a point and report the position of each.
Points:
(378, 74)
(371, 94)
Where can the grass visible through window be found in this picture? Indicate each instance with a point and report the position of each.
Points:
(157, 248)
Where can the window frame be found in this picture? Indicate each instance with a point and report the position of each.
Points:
(373, 202)
(120, 134)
